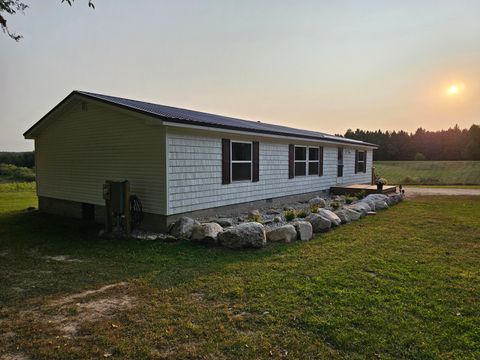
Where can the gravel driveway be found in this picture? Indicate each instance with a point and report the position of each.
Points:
(415, 191)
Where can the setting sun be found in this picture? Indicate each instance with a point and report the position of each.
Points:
(455, 89)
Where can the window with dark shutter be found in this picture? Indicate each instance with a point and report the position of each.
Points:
(256, 161)
(225, 161)
(291, 161)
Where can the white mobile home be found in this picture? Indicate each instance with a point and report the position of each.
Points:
(181, 161)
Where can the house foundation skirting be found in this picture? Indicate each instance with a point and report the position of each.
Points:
(158, 222)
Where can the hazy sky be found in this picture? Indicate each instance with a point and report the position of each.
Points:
(321, 65)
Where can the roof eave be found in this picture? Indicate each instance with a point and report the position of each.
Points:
(29, 133)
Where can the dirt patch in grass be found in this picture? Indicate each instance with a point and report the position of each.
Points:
(67, 314)
(64, 258)
(18, 356)
(71, 298)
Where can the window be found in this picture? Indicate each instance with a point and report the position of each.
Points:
(340, 162)
(300, 160)
(313, 160)
(306, 160)
(241, 161)
(362, 161)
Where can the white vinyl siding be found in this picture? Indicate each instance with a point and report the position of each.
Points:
(78, 150)
(195, 171)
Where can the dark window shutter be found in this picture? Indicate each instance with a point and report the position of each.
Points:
(225, 161)
(291, 161)
(356, 161)
(256, 162)
(365, 162)
(320, 161)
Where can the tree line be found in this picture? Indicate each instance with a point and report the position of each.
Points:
(451, 144)
(20, 159)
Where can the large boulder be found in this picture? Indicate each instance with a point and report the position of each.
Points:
(330, 215)
(381, 205)
(395, 198)
(353, 215)
(344, 216)
(225, 222)
(183, 227)
(246, 235)
(206, 233)
(304, 230)
(379, 197)
(286, 233)
(362, 207)
(317, 201)
(319, 223)
(380, 201)
(370, 202)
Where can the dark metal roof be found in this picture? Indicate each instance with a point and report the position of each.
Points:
(191, 117)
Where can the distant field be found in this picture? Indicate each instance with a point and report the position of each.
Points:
(430, 172)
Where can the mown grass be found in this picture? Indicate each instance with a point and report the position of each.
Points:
(14, 196)
(472, 187)
(401, 284)
(430, 172)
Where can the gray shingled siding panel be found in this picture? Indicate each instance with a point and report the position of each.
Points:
(195, 177)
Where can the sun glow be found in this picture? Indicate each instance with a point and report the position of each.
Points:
(455, 89)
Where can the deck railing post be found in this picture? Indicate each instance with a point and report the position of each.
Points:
(373, 175)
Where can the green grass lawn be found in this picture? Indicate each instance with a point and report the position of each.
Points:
(402, 284)
(430, 172)
(472, 187)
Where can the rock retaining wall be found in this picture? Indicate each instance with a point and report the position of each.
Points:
(296, 222)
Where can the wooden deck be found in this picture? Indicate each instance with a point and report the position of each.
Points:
(356, 188)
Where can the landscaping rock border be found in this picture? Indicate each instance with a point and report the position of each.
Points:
(258, 227)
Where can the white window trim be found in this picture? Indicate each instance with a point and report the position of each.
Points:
(241, 161)
(307, 160)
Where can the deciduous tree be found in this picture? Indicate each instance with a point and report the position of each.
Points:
(12, 7)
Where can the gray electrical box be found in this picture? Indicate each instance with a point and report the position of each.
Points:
(117, 207)
(117, 196)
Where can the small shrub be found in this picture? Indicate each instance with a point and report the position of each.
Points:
(335, 205)
(302, 214)
(361, 194)
(409, 180)
(314, 208)
(350, 199)
(255, 218)
(290, 215)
